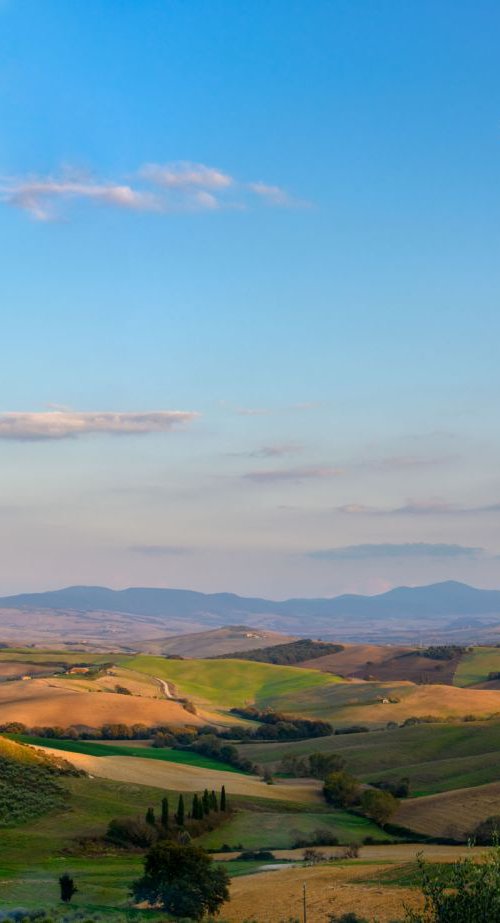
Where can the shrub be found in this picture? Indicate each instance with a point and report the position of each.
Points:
(131, 832)
(469, 894)
(341, 789)
(487, 833)
(380, 806)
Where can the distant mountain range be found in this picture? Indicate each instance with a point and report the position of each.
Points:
(400, 614)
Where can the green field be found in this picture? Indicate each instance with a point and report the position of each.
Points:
(232, 683)
(93, 748)
(435, 757)
(269, 830)
(475, 666)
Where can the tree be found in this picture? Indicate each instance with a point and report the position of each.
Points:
(150, 817)
(182, 880)
(164, 813)
(380, 806)
(322, 765)
(206, 802)
(469, 894)
(213, 802)
(196, 809)
(341, 789)
(67, 887)
(179, 817)
(223, 799)
(487, 833)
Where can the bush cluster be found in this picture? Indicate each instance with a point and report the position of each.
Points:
(286, 654)
(278, 726)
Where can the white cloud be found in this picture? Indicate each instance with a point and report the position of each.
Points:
(274, 195)
(70, 424)
(39, 196)
(166, 188)
(185, 174)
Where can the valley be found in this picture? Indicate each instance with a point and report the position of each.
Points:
(111, 733)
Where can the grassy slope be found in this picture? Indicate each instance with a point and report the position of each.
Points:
(94, 748)
(280, 831)
(435, 757)
(33, 855)
(476, 665)
(230, 683)
(30, 783)
(452, 814)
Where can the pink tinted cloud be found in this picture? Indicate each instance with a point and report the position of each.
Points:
(72, 424)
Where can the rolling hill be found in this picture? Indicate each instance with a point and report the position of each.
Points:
(444, 610)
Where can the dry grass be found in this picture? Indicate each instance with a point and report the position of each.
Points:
(419, 701)
(58, 702)
(278, 895)
(183, 778)
(450, 814)
(354, 658)
(214, 642)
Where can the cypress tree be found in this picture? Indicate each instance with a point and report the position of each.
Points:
(206, 802)
(150, 817)
(164, 813)
(223, 799)
(180, 812)
(213, 802)
(195, 810)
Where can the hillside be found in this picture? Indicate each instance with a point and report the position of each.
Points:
(29, 783)
(217, 642)
(453, 814)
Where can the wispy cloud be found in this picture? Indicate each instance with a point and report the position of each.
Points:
(39, 196)
(276, 475)
(273, 195)
(435, 507)
(159, 551)
(183, 175)
(71, 424)
(180, 186)
(277, 450)
(253, 411)
(401, 462)
(405, 550)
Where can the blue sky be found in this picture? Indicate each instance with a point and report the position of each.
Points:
(249, 294)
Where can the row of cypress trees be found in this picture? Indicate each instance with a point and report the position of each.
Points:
(201, 807)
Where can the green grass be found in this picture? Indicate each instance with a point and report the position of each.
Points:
(93, 748)
(435, 757)
(232, 683)
(410, 876)
(280, 831)
(475, 666)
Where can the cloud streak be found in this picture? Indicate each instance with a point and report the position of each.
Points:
(386, 550)
(279, 475)
(71, 424)
(168, 188)
(277, 450)
(159, 551)
(435, 507)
